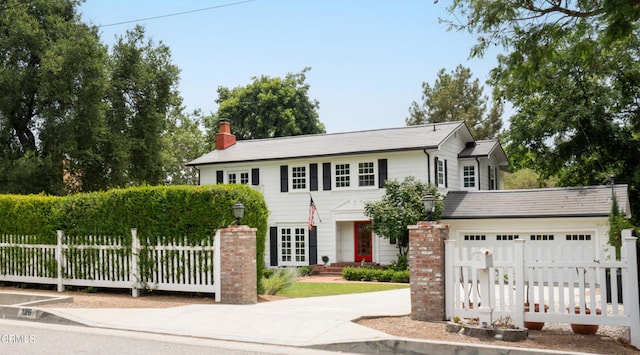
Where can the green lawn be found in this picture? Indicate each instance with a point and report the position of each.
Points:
(313, 289)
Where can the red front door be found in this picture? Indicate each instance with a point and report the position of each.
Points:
(362, 238)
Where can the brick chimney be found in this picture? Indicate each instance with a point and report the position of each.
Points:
(224, 138)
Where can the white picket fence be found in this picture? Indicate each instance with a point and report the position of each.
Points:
(556, 277)
(102, 261)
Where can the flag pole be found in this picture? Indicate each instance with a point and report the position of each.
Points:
(316, 209)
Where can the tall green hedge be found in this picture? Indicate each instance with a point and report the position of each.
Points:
(194, 212)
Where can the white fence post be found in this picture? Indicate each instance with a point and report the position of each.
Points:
(518, 273)
(217, 288)
(449, 284)
(133, 271)
(630, 296)
(59, 260)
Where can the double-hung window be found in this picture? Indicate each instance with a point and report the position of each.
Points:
(366, 174)
(469, 176)
(492, 178)
(441, 173)
(342, 175)
(299, 178)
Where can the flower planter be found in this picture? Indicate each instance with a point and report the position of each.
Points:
(535, 325)
(585, 329)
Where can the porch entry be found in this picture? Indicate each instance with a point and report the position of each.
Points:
(362, 241)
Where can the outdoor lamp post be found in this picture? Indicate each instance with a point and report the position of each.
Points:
(429, 202)
(238, 211)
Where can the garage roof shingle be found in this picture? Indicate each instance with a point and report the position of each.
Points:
(587, 201)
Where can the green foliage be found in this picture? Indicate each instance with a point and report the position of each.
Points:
(617, 222)
(279, 280)
(194, 212)
(401, 264)
(268, 108)
(456, 97)
(526, 178)
(369, 274)
(572, 75)
(305, 270)
(401, 206)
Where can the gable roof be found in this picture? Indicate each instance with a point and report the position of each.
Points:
(485, 148)
(419, 137)
(587, 201)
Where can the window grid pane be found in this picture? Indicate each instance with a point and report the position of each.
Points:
(232, 178)
(469, 176)
(244, 178)
(300, 245)
(342, 175)
(299, 177)
(440, 173)
(366, 174)
(285, 237)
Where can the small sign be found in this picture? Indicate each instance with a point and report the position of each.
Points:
(27, 313)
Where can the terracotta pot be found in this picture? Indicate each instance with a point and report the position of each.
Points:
(585, 329)
(535, 325)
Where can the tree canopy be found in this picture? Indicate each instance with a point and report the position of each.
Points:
(572, 73)
(267, 108)
(400, 207)
(75, 116)
(456, 96)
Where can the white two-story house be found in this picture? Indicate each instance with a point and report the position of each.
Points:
(341, 172)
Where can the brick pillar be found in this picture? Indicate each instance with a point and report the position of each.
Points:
(238, 277)
(426, 268)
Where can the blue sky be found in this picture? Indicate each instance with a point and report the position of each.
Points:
(368, 58)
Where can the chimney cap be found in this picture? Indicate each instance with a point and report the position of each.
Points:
(223, 120)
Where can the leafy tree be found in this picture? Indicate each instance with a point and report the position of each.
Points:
(143, 91)
(268, 108)
(526, 178)
(617, 222)
(573, 78)
(51, 116)
(400, 207)
(541, 22)
(183, 141)
(456, 96)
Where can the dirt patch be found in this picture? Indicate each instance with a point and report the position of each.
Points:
(553, 339)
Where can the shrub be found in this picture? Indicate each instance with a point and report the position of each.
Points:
(305, 270)
(400, 276)
(368, 274)
(267, 273)
(401, 264)
(166, 212)
(280, 280)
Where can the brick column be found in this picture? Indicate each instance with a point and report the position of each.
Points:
(426, 268)
(238, 277)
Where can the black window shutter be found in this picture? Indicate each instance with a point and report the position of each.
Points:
(435, 170)
(446, 177)
(382, 172)
(489, 177)
(284, 178)
(496, 169)
(273, 246)
(255, 177)
(313, 246)
(313, 178)
(219, 177)
(326, 176)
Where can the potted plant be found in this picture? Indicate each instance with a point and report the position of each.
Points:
(584, 329)
(536, 308)
(325, 260)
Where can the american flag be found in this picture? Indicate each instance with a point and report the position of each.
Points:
(312, 213)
